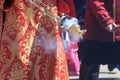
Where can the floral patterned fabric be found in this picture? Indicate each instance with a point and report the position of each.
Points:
(31, 45)
(0, 23)
(1, 4)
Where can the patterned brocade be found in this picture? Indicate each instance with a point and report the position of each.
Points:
(31, 45)
(0, 23)
(1, 4)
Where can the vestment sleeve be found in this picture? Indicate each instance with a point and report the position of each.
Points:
(62, 7)
(6, 4)
(98, 8)
(71, 7)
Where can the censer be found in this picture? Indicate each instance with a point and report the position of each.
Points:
(70, 28)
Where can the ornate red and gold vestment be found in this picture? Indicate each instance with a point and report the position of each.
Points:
(31, 45)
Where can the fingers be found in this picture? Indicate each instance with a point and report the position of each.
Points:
(112, 27)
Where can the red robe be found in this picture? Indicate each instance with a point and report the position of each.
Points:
(99, 13)
(31, 44)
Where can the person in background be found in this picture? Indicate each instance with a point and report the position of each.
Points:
(31, 47)
(72, 47)
(102, 39)
(80, 6)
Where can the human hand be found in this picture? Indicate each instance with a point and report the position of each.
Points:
(112, 27)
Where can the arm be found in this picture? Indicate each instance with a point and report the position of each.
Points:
(98, 9)
(71, 5)
(102, 15)
(62, 7)
(6, 4)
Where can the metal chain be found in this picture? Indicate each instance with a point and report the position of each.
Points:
(43, 10)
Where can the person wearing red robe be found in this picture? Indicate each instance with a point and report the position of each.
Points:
(31, 47)
(102, 39)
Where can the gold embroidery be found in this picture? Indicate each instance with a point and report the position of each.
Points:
(17, 72)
